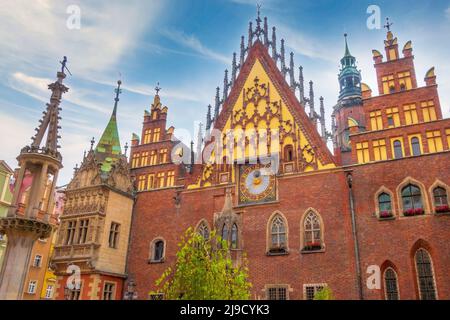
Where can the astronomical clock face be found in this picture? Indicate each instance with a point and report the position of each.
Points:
(256, 184)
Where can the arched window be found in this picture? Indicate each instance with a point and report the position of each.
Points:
(312, 234)
(203, 230)
(288, 153)
(425, 275)
(412, 200)
(278, 234)
(384, 204)
(440, 197)
(157, 251)
(391, 284)
(398, 152)
(234, 236)
(225, 232)
(415, 144)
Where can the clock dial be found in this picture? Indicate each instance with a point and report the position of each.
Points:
(256, 185)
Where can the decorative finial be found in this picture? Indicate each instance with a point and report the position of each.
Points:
(75, 169)
(92, 142)
(118, 91)
(64, 65)
(388, 24)
(157, 89)
(126, 148)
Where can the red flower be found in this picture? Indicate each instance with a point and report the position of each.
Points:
(385, 214)
(444, 208)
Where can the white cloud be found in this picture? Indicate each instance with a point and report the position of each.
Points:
(191, 42)
(34, 33)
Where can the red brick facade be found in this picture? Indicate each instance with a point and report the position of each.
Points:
(348, 246)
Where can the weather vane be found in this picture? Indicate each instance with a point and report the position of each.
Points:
(63, 65)
(388, 24)
(157, 88)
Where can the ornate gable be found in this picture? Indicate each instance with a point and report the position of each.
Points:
(261, 101)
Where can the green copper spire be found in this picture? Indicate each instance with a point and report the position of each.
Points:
(347, 51)
(108, 149)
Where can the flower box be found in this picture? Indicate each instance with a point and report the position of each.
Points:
(442, 209)
(385, 214)
(413, 212)
(312, 246)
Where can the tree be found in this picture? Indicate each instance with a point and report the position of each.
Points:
(324, 294)
(204, 271)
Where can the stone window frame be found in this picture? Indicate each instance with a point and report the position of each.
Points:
(151, 258)
(302, 231)
(423, 190)
(384, 189)
(438, 183)
(287, 287)
(269, 246)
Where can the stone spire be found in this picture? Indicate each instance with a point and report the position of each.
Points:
(26, 222)
(199, 142)
(208, 118)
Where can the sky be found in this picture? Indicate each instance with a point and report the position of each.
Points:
(185, 45)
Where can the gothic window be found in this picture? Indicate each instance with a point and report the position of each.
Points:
(161, 179)
(153, 158)
(157, 251)
(151, 181)
(404, 79)
(384, 204)
(114, 235)
(412, 199)
(203, 230)
(234, 236)
(440, 199)
(410, 114)
(312, 234)
(425, 275)
(398, 150)
(144, 159)
(288, 153)
(278, 235)
(225, 232)
(391, 284)
(415, 145)
(147, 136)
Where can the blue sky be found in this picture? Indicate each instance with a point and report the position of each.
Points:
(185, 45)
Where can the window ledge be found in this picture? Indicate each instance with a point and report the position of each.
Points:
(151, 261)
(272, 254)
(386, 218)
(303, 251)
(443, 213)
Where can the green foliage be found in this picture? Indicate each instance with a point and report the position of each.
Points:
(204, 271)
(324, 294)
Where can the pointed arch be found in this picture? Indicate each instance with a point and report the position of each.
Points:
(439, 201)
(422, 244)
(376, 199)
(390, 283)
(425, 277)
(203, 229)
(312, 231)
(424, 198)
(277, 234)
